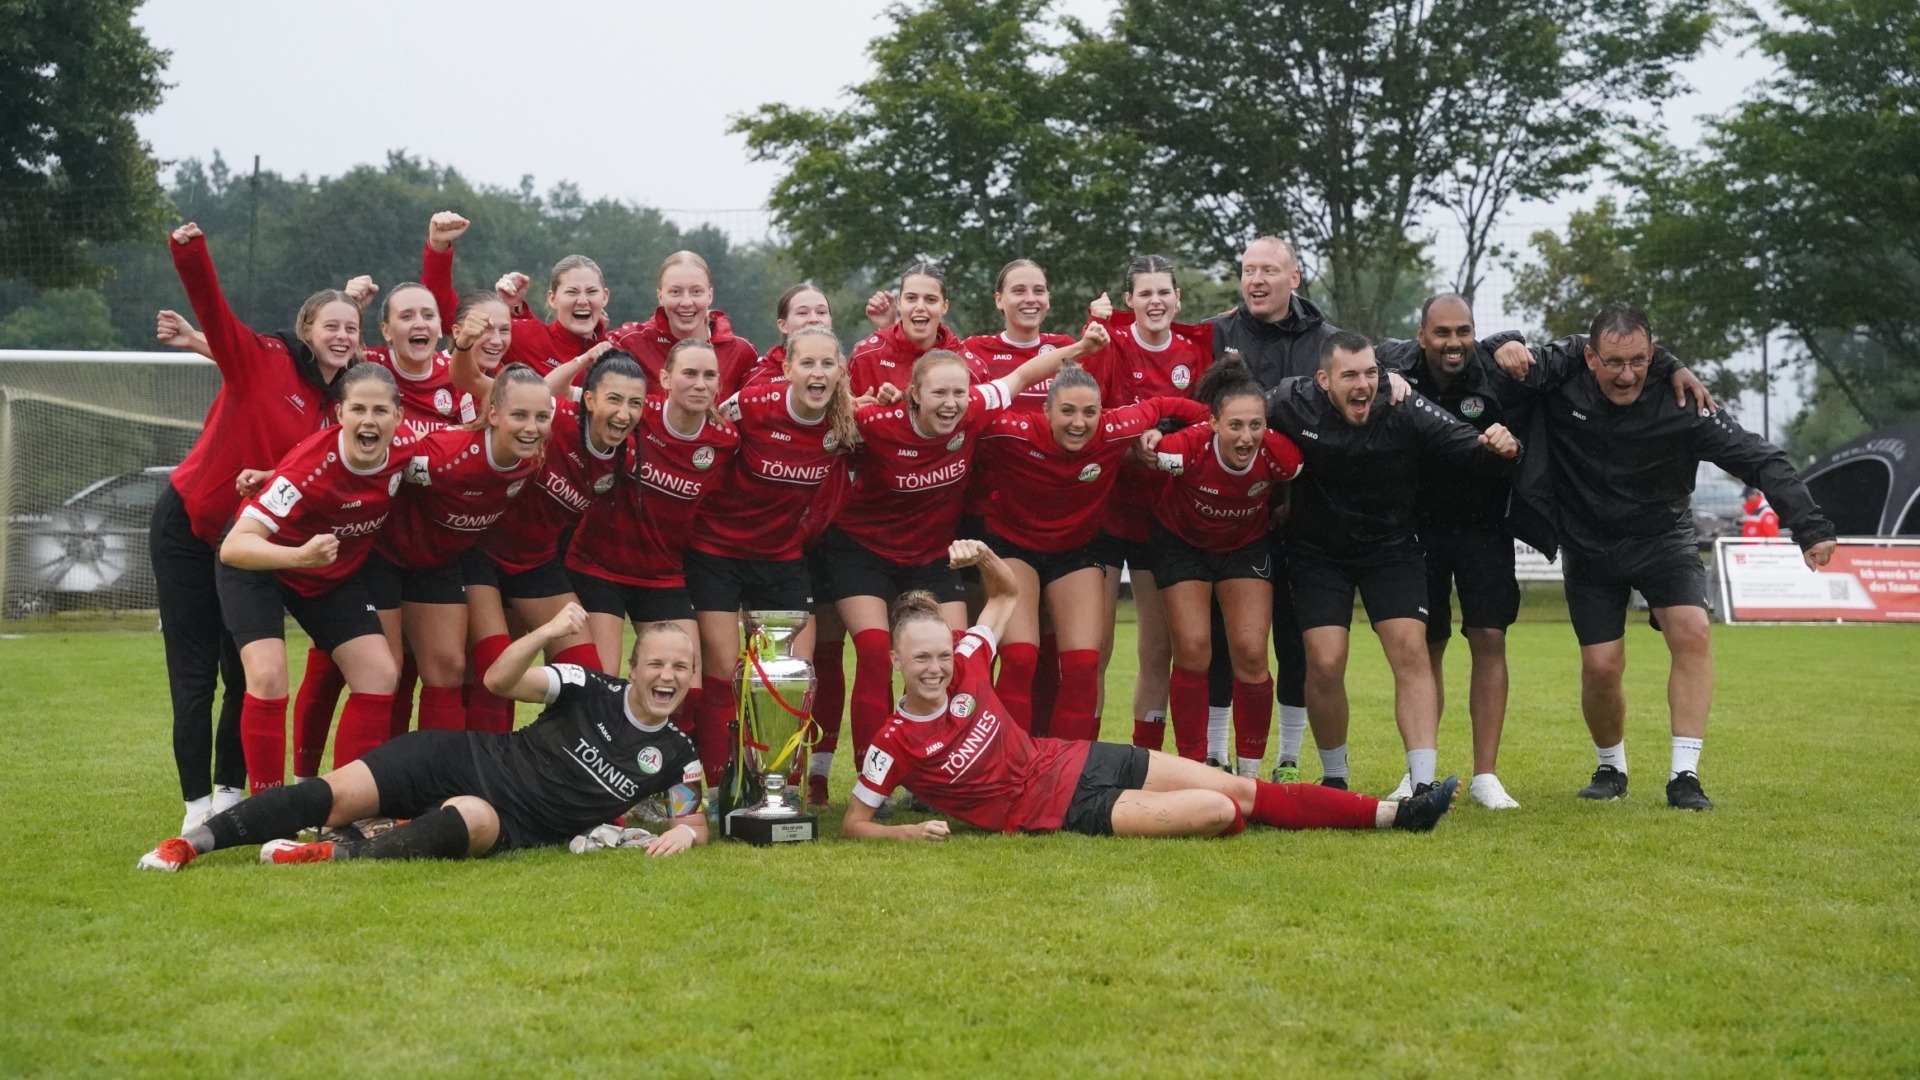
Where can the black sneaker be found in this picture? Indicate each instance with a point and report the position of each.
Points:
(1337, 783)
(1428, 804)
(1683, 793)
(1608, 783)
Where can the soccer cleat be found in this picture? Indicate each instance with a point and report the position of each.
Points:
(1217, 763)
(1405, 791)
(816, 791)
(170, 856)
(1419, 791)
(1487, 790)
(1429, 803)
(1683, 793)
(1607, 783)
(1287, 772)
(288, 852)
(1337, 783)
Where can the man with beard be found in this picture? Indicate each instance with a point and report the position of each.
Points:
(1618, 484)
(1352, 528)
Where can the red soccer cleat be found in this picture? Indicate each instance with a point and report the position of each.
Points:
(170, 856)
(288, 852)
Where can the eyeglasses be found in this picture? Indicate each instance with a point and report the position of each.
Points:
(1616, 365)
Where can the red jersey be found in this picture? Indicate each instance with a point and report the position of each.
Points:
(312, 491)
(649, 342)
(453, 492)
(545, 346)
(1134, 371)
(770, 368)
(572, 477)
(971, 761)
(266, 404)
(991, 356)
(886, 356)
(1211, 506)
(436, 273)
(428, 402)
(1050, 501)
(761, 511)
(636, 536)
(904, 506)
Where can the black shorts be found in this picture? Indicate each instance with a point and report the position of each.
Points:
(1392, 585)
(1480, 565)
(389, 586)
(1181, 561)
(846, 567)
(1051, 567)
(1667, 573)
(641, 604)
(1144, 557)
(255, 604)
(422, 769)
(548, 579)
(1111, 771)
(718, 583)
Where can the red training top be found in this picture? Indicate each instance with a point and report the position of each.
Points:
(991, 356)
(454, 492)
(313, 490)
(1134, 371)
(761, 510)
(1047, 500)
(264, 408)
(886, 356)
(572, 477)
(1211, 506)
(428, 402)
(904, 506)
(436, 273)
(635, 537)
(650, 341)
(971, 760)
(545, 346)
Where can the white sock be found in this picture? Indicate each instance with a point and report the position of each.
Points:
(1686, 756)
(1421, 764)
(1615, 755)
(226, 798)
(1219, 718)
(1293, 727)
(820, 763)
(199, 806)
(1246, 766)
(1334, 762)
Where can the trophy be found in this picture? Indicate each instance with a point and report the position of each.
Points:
(775, 692)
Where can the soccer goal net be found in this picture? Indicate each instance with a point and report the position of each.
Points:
(87, 440)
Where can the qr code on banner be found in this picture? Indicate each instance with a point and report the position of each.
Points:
(1837, 590)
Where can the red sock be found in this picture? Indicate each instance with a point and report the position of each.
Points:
(585, 655)
(363, 726)
(687, 716)
(1150, 734)
(713, 732)
(440, 709)
(1076, 714)
(401, 716)
(485, 710)
(1238, 825)
(1310, 806)
(1046, 685)
(263, 741)
(313, 711)
(830, 692)
(872, 687)
(1252, 717)
(1014, 687)
(1187, 710)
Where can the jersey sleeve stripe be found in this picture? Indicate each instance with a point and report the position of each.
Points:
(253, 513)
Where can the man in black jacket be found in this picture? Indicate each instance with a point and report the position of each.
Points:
(1617, 483)
(1351, 528)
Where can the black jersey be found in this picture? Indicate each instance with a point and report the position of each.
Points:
(1274, 350)
(1358, 493)
(586, 759)
(1457, 495)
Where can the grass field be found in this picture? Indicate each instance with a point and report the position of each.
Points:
(1779, 934)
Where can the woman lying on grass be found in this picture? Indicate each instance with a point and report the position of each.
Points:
(950, 742)
(601, 745)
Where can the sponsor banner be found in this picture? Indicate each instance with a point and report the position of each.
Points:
(1530, 565)
(1868, 580)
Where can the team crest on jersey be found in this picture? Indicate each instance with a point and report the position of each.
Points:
(1256, 489)
(959, 439)
(1472, 406)
(650, 760)
(601, 485)
(829, 443)
(1182, 375)
(703, 458)
(1044, 349)
(962, 706)
(443, 401)
(393, 485)
(513, 489)
(1091, 472)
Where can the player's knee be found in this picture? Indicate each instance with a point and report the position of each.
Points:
(1689, 635)
(1603, 668)
(1487, 643)
(1216, 813)
(1191, 652)
(483, 824)
(1326, 665)
(440, 664)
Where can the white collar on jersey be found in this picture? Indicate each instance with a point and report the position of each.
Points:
(627, 707)
(901, 708)
(1231, 471)
(348, 462)
(1012, 344)
(797, 418)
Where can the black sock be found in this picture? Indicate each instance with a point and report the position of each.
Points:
(436, 834)
(275, 814)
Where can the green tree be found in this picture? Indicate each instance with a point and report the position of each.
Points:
(73, 170)
(60, 319)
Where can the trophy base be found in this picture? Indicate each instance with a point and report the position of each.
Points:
(765, 831)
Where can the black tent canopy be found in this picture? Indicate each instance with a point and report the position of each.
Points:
(1871, 486)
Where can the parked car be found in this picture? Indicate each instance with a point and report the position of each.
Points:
(90, 551)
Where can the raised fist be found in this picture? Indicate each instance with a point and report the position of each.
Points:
(444, 229)
(186, 234)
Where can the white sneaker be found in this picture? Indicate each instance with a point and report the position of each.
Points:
(1487, 790)
(1404, 791)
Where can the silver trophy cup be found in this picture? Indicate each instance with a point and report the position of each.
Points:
(775, 691)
